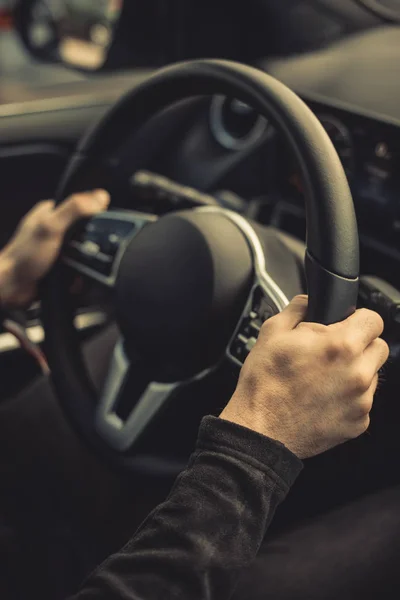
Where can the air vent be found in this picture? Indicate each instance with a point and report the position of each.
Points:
(234, 124)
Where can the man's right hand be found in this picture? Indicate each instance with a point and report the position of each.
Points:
(307, 385)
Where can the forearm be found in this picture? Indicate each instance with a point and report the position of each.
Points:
(211, 526)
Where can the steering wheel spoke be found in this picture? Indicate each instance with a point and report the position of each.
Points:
(95, 250)
(129, 401)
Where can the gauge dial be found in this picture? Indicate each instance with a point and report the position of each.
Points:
(234, 124)
(341, 139)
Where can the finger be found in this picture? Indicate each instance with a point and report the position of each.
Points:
(366, 375)
(363, 406)
(374, 386)
(361, 328)
(291, 316)
(79, 206)
(39, 210)
(376, 354)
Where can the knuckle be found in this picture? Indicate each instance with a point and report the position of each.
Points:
(312, 327)
(379, 321)
(300, 300)
(362, 380)
(77, 203)
(348, 348)
(283, 360)
(34, 215)
(339, 347)
(305, 327)
(334, 349)
(267, 326)
(44, 228)
(40, 205)
(383, 349)
(372, 318)
(363, 408)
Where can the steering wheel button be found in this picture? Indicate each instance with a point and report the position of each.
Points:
(245, 328)
(250, 329)
(113, 239)
(111, 244)
(254, 329)
(90, 248)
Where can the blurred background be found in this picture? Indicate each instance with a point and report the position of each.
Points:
(85, 28)
(44, 43)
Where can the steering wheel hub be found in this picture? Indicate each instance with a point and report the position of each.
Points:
(181, 287)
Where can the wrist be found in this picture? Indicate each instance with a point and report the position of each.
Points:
(258, 423)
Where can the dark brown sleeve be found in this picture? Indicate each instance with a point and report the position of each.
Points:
(196, 543)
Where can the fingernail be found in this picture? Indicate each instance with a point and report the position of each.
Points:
(102, 197)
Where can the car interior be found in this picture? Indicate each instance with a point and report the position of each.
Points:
(235, 140)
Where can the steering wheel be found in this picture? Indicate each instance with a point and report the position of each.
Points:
(191, 288)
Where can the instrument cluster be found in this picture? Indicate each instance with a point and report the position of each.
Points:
(370, 154)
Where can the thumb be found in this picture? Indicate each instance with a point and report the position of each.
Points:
(80, 206)
(294, 313)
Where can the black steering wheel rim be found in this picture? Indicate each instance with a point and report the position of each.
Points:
(332, 260)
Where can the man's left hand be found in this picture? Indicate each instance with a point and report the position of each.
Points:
(32, 251)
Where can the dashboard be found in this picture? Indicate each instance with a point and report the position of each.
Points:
(369, 151)
(370, 154)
